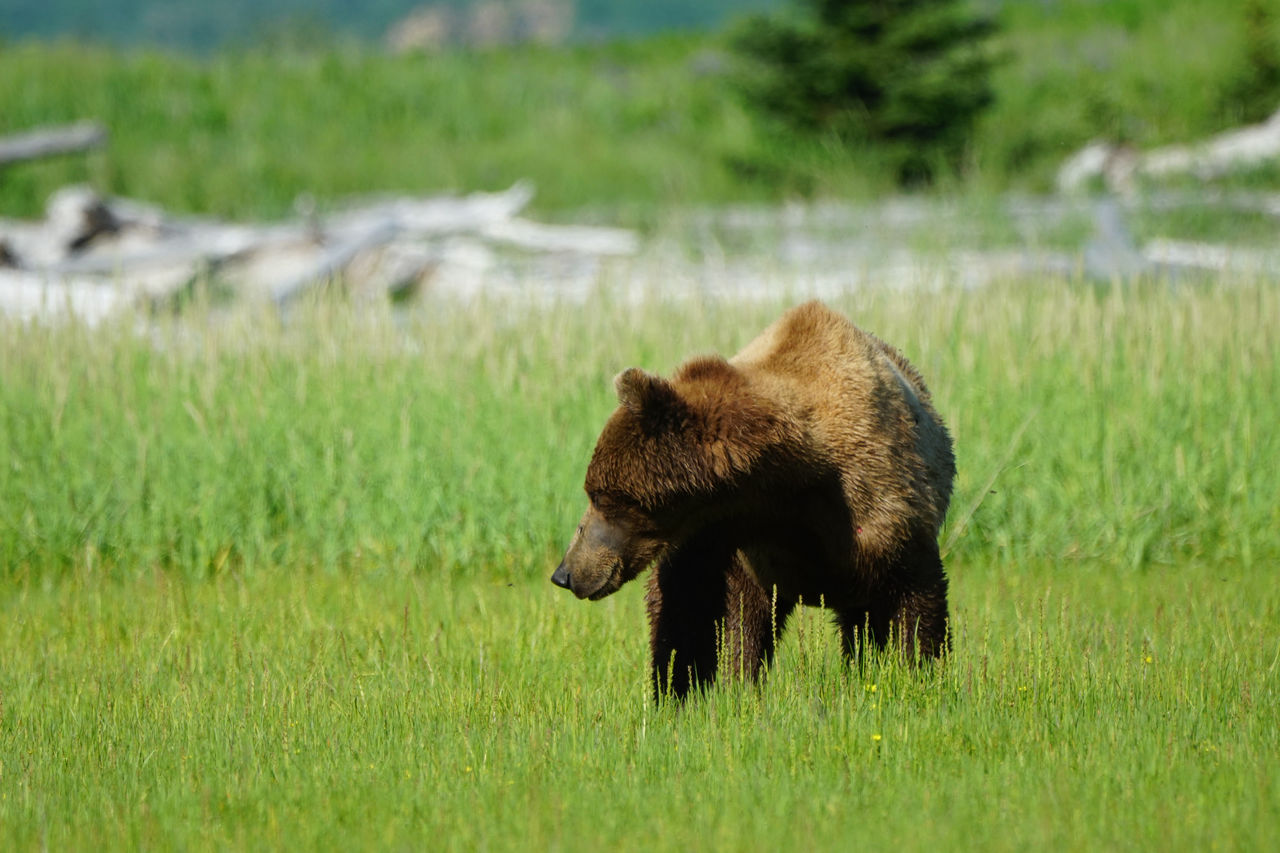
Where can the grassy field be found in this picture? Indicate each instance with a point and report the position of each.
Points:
(246, 133)
(623, 129)
(285, 586)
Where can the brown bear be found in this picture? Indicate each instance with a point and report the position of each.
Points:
(810, 467)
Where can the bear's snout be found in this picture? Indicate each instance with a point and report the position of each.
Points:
(561, 578)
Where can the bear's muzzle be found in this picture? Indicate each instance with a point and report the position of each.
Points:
(560, 577)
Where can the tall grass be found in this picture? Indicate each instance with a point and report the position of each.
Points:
(1126, 425)
(1137, 73)
(629, 126)
(284, 584)
(246, 133)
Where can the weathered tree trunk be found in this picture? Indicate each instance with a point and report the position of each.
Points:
(51, 141)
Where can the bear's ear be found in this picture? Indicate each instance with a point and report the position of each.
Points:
(651, 399)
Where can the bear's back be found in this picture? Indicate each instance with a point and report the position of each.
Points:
(804, 342)
(818, 354)
(863, 404)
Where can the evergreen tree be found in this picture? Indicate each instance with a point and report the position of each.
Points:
(908, 75)
(1253, 94)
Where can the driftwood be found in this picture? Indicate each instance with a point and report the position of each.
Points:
(562, 238)
(51, 141)
(93, 258)
(1118, 166)
(27, 295)
(140, 253)
(332, 261)
(1213, 257)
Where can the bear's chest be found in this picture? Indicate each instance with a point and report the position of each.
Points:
(801, 567)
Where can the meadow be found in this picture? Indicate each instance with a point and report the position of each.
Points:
(284, 585)
(618, 130)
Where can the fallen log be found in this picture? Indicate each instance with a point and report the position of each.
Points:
(434, 216)
(330, 263)
(391, 245)
(1117, 166)
(579, 239)
(52, 141)
(1213, 257)
(27, 296)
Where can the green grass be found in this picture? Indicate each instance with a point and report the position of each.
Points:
(622, 130)
(286, 587)
(246, 133)
(1140, 73)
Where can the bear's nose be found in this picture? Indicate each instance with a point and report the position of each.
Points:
(560, 577)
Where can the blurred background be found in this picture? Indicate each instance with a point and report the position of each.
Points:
(1068, 134)
(238, 107)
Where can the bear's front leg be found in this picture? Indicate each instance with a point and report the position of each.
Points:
(685, 599)
(707, 614)
(753, 620)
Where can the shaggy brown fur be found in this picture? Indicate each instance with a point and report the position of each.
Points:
(810, 467)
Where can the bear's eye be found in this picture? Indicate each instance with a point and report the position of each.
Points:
(611, 503)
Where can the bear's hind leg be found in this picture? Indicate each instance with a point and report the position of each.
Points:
(908, 608)
(919, 622)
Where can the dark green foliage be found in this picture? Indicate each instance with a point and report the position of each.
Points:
(912, 75)
(1254, 93)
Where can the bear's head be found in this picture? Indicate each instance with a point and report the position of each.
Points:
(669, 461)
